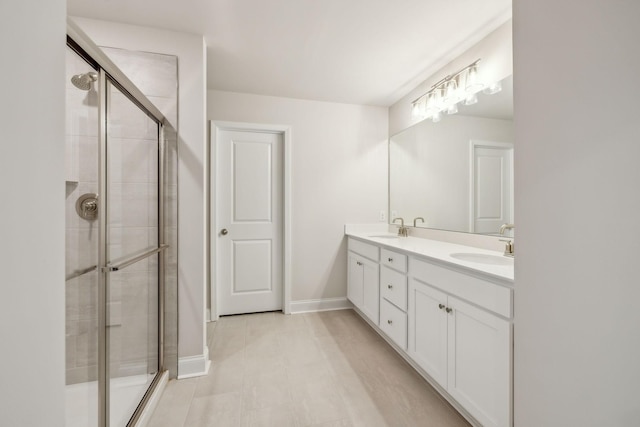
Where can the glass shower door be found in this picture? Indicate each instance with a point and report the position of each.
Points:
(116, 290)
(132, 235)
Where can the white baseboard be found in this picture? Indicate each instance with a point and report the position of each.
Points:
(325, 304)
(194, 366)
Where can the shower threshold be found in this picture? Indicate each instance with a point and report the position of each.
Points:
(81, 400)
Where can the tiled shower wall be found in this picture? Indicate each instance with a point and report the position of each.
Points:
(132, 176)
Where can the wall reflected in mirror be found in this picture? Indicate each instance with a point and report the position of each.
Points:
(457, 173)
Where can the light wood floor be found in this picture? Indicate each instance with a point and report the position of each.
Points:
(317, 369)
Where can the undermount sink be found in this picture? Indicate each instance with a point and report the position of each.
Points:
(384, 236)
(482, 258)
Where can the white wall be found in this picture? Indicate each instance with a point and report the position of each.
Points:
(339, 176)
(495, 50)
(190, 50)
(32, 189)
(577, 322)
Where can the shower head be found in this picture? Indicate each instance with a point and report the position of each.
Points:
(84, 81)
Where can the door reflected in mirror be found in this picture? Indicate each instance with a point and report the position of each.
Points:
(457, 174)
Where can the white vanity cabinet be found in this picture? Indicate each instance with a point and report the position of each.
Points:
(465, 348)
(451, 322)
(363, 287)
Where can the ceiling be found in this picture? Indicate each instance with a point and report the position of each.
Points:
(369, 52)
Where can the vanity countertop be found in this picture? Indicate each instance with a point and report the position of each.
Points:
(488, 263)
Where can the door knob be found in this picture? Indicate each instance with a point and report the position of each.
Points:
(224, 231)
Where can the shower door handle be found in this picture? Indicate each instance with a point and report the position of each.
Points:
(123, 264)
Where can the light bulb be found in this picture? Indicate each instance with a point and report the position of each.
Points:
(436, 117)
(416, 111)
(452, 109)
(451, 92)
(434, 102)
(493, 88)
(431, 103)
(473, 83)
(471, 99)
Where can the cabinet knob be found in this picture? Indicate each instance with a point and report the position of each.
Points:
(390, 286)
(449, 310)
(390, 259)
(390, 321)
(440, 306)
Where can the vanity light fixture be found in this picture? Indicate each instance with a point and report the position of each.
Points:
(493, 88)
(444, 96)
(471, 99)
(473, 83)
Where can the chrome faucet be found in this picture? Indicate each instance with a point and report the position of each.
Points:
(508, 249)
(416, 219)
(402, 230)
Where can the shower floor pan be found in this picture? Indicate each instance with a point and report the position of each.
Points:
(81, 400)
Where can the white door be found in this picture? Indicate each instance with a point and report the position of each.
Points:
(491, 187)
(249, 188)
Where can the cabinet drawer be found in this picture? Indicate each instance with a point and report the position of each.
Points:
(394, 260)
(364, 249)
(393, 286)
(488, 295)
(393, 322)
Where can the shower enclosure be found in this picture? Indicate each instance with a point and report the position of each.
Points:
(120, 256)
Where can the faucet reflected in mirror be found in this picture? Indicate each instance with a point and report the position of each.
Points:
(416, 219)
(402, 230)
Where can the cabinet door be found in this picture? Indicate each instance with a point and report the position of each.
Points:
(480, 363)
(371, 290)
(428, 330)
(355, 280)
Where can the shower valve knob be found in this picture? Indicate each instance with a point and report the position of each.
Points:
(87, 206)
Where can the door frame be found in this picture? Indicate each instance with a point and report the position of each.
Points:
(215, 127)
(473, 144)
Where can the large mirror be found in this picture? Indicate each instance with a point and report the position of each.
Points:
(457, 174)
